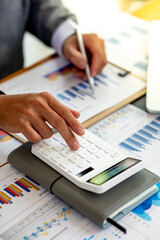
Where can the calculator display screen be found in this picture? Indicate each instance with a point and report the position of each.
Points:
(113, 171)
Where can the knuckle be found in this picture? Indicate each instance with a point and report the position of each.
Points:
(21, 122)
(45, 95)
(74, 125)
(60, 123)
(36, 101)
(65, 112)
(47, 134)
(28, 114)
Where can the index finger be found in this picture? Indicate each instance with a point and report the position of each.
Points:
(96, 47)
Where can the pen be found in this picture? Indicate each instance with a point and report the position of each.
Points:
(82, 49)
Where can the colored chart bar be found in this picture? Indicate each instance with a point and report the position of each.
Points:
(114, 41)
(61, 96)
(155, 124)
(17, 190)
(83, 86)
(138, 29)
(158, 119)
(29, 184)
(5, 197)
(151, 129)
(108, 79)
(147, 134)
(126, 35)
(72, 95)
(141, 139)
(100, 81)
(128, 147)
(61, 71)
(135, 143)
(23, 186)
(3, 201)
(11, 192)
(77, 90)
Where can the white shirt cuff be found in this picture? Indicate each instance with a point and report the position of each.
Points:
(65, 30)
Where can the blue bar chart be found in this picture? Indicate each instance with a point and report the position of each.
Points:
(143, 139)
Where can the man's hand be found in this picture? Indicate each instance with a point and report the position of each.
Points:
(95, 50)
(29, 114)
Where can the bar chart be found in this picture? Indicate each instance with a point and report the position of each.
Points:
(134, 132)
(109, 89)
(63, 71)
(144, 139)
(130, 37)
(13, 191)
(18, 194)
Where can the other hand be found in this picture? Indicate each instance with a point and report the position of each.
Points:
(95, 50)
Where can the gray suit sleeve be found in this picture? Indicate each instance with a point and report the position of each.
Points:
(45, 16)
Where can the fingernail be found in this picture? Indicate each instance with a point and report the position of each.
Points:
(82, 64)
(75, 145)
(81, 130)
(94, 73)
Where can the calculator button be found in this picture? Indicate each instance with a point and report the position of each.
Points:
(100, 154)
(67, 153)
(115, 154)
(92, 149)
(91, 159)
(58, 147)
(75, 159)
(72, 168)
(108, 150)
(40, 146)
(101, 145)
(81, 164)
(84, 143)
(92, 139)
(83, 153)
(47, 151)
(64, 164)
(56, 157)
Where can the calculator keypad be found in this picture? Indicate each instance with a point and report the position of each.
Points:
(92, 149)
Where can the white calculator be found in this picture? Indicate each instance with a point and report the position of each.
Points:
(96, 166)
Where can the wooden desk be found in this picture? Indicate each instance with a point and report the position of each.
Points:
(150, 11)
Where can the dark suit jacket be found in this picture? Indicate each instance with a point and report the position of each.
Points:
(40, 17)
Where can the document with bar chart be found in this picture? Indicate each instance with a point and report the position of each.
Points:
(56, 77)
(137, 134)
(127, 44)
(134, 132)
(28, 211)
